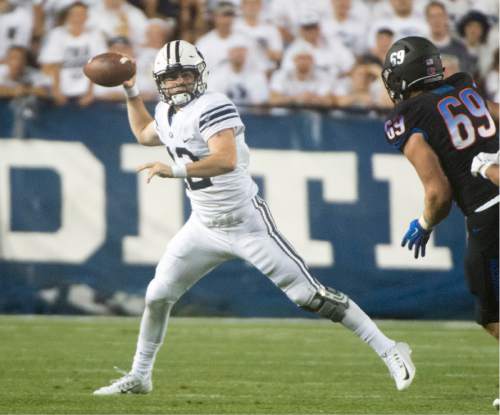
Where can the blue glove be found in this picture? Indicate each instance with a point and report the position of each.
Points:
(418, 236)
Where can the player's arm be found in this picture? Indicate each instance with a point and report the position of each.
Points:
(492, 173)
(436, 186)
(222, 159)
(141, 122)
(438, 195)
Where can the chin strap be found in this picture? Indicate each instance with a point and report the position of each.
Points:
(182, 99)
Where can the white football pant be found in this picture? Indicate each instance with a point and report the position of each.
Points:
(248, 233)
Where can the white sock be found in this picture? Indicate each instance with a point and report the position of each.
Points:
(144, 358)
(363, 326)
(153, 329)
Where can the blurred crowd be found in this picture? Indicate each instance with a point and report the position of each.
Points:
(322, 53)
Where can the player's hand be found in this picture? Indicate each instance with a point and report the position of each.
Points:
(130, 83)
(481, 162)
(155, 169)
(416, 236)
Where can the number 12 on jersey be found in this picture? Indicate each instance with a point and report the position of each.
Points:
(460, 126)
(194, 184)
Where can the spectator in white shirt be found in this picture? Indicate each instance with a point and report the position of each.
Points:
(440, 35)
(239, 80)
(384, 9)
(214, 45)
(349, 25)
(286, 15)
(267, 38)
(404, 22)
(65, 53)
(17, 79)
(51, 11)
(363, 88)
(474, 28)
(119, 18)
(458, 8)
(16, 26)
(158, 32)
(330, 55)
(383, 42)
(303, 84)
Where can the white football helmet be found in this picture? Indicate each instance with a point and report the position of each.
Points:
(180, 55)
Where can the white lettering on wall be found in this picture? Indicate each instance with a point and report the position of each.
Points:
(406, 202)
(160, 207)
(83, 225)
(286, 174)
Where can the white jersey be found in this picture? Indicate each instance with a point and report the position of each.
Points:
(402, 27)
(186, 132)
(264, 36)
(16, 28)
(249, 86)
(72, 52)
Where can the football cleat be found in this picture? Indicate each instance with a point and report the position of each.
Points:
(128, 383)
(400, 365)
(496, 403)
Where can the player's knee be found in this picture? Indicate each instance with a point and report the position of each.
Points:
(329, 303)
(159, 293)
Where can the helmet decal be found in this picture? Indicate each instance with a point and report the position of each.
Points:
(397, 57)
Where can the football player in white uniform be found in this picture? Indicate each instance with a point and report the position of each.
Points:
(204, 135)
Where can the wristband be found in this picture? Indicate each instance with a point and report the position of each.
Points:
(179, 171)
(131, 92)
(482, 170)
(423, 223)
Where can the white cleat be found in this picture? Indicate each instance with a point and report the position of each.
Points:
(400, 365)
(129, 383)
(496, 403)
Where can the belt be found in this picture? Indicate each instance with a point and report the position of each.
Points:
(229, 219)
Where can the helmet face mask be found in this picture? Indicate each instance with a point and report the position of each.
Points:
(180, 59)
(411, 63)
(178, 91)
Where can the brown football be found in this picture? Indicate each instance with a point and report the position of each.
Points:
(109, 69)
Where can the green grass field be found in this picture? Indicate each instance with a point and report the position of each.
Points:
(51, 365)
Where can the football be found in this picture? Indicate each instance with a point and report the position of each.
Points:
(109, 69)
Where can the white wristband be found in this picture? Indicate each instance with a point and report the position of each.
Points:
(131, 92)
(423, 223)
(483, 168)
(179, 171)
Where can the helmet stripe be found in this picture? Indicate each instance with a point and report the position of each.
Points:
(199, 53)
(177, 54)
(168, 51)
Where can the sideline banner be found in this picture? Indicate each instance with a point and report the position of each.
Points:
(80, 231)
